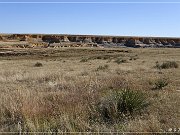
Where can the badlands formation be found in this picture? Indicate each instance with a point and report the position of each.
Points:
(60, 40)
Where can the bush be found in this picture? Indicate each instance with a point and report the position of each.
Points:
(130, 101)
(84, 60)
(160, 84)
(102, 67)
(120, 60)
(120, 104)
(38, 64)
(167, 65)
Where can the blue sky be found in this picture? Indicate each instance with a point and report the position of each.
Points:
(101, 19)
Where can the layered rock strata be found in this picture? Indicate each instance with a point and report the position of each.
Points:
(90, 40)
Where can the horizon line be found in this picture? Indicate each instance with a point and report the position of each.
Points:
(101, 35)
(87, 2)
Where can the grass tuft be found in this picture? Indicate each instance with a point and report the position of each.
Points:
(166, 65)
(160, 84)
(38, 64)
(105, 67)
(121, 103)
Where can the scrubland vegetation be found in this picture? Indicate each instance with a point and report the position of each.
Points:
(90, 90)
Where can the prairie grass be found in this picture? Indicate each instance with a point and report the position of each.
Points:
(55, 98)
(167, 65)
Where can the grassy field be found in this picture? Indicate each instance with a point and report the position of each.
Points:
(86, 89)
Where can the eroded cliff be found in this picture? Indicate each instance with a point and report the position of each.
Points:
(83, 40)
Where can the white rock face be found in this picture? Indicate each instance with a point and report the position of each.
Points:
(65, 39)
(87, 40)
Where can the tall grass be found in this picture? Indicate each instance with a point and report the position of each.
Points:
(55, 99)
(121, 103)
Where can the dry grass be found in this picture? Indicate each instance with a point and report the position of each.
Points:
(64, 93)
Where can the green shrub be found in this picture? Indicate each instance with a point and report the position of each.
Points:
(167, 65)
(130, 101)
(38, 64)
(120, 104)
(120, 60)
(160, 84)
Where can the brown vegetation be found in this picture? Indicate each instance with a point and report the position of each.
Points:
(85, 90)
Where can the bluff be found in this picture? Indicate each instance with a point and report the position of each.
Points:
(105, 41)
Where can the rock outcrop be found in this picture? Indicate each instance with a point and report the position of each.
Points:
(92, 40)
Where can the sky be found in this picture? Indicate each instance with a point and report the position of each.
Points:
(122, 19)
